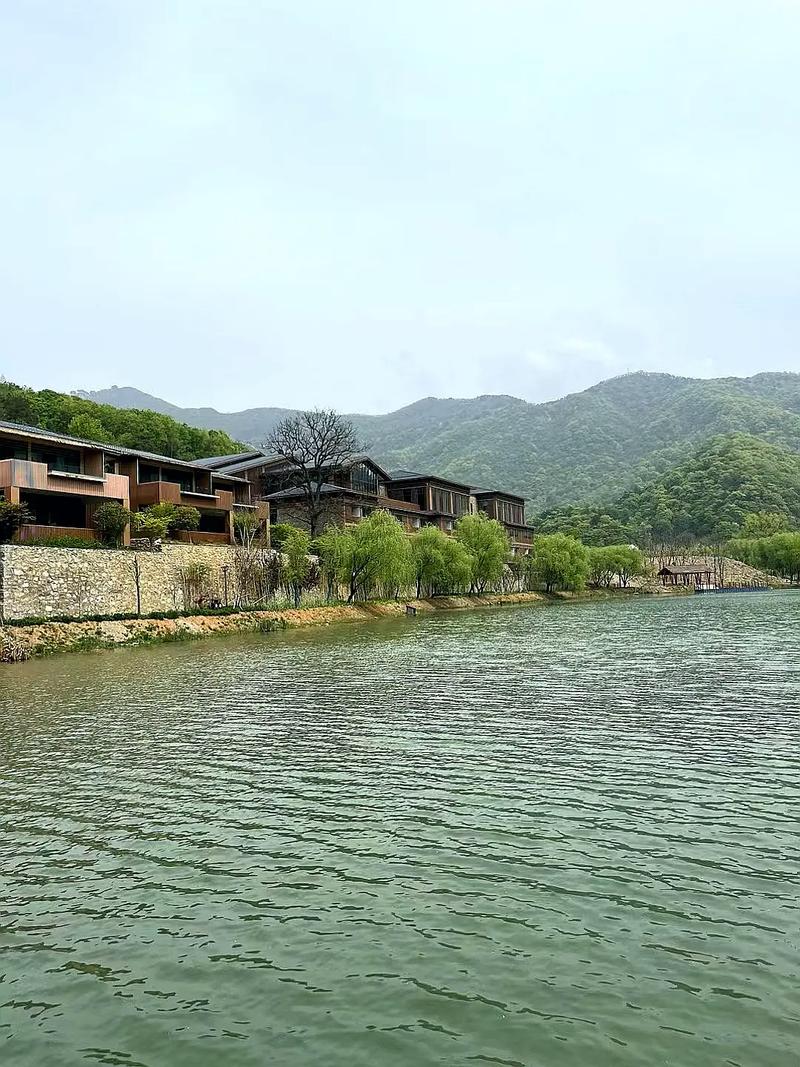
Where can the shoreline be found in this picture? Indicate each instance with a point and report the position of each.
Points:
(21, 643)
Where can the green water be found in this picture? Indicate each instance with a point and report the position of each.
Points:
(534, 836)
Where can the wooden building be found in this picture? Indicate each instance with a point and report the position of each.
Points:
(508, 509)
(63, 479)
(690, 574)
(353, 491)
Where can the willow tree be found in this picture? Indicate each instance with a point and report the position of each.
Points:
(370, 558)
(559, 562)
(441, 563)
(486, 543)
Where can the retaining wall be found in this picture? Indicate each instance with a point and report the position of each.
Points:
(37, 581)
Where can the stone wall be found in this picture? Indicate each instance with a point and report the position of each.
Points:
(38, 581)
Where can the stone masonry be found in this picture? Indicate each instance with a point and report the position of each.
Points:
(42, 582)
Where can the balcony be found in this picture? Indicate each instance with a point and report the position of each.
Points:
(147, 493)
(24, 474)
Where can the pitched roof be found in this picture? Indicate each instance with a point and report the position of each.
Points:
(477, 491)
(326, 488)
(57, 438)
(415, 476)
(225, 461)
(692, 568)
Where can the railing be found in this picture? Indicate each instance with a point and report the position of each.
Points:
(24, 474)
(202, 537)
(33, 532)
(171, 493)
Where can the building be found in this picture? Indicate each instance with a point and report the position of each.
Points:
(509, 509)
(63, 479)
(698, 575)
(351, 492)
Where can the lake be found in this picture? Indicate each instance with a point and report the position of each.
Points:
(536, 836)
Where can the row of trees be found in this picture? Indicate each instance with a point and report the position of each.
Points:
(377, 559)
(149, 430)
(778, 553)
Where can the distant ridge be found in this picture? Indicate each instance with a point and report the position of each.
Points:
(588, 446)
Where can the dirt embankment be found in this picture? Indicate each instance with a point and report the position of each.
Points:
(24, 642)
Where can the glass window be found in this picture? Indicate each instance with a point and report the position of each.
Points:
(67, 460)
(364, 479)
(13, 450)
(149, 474)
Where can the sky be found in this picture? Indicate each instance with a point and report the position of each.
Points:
(356, 203)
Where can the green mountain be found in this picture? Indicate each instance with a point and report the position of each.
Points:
(148, 430)
(589, 446)
(705, 497)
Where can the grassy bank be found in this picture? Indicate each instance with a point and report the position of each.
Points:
(26, 641)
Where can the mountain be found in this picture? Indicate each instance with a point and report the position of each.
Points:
(588, 446)
(250, 426)
(706, 496)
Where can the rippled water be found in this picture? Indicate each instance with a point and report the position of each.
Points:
(538, 836)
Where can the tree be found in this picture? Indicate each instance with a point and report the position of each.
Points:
(177, 517)
(315, 445)
(257, 571)
(278, 534)
(153, 527)
(622, 562)
(111, 519)
(428, 558)
(12, 516)
(765, 524)
(89, 427)
(371, 557)
(298, 562)
(486, 543)
(559, 562)
(441, 564)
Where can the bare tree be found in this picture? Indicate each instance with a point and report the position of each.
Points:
(316, 445)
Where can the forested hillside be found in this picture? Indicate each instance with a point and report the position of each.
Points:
(588, 446)
(74, 415)
(706, 497)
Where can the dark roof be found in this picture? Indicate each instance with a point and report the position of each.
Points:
(326, 488)
(226, 461)
(693, 568)
(54, 437)
(414, 476)
(477, 491)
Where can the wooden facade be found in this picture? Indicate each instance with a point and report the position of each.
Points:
(63, 480)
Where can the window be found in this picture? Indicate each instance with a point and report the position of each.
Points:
(213, 522)
(364, 479)
(186, 482)
(67, 460)
(56, 509)
(413, 495)
(13, 450)
(149, 474)
(416, 522)
(440, 498)
(358, 512)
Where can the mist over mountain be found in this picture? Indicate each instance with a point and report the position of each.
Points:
(588, 446)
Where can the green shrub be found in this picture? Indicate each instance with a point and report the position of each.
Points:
(12, 516)
(111, 520)
(279, 533)
(62, 542)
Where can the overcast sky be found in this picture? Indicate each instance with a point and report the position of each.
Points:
(357, 203)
